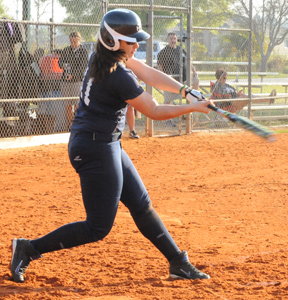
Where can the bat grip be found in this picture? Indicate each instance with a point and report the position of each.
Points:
(212, 107)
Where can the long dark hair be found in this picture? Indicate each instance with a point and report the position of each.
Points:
(104, 62)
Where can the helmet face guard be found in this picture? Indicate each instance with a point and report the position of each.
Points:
(120, 24)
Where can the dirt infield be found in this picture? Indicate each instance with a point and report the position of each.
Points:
(222, 196)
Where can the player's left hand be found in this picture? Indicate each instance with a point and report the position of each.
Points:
(193, 95)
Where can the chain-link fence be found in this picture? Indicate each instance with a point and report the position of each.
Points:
(37, 98)
(37, 95)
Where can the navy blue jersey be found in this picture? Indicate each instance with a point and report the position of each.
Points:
(102, 106)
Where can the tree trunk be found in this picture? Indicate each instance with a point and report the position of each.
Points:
(264, 59)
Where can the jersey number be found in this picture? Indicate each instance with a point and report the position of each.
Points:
(87, 92)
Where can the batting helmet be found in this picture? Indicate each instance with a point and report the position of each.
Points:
(120, 24)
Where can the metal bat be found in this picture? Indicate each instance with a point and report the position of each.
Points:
(247, 124)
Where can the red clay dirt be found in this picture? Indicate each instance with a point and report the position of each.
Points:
(222, 196)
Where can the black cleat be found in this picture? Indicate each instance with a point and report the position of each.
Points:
(22, 253)
(181, 268)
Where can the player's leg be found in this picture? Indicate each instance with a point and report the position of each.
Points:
(135, 197)
(100, 170)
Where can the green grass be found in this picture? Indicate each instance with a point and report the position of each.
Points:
(281, 130)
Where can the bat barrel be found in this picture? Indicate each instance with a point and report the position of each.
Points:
(247, 124)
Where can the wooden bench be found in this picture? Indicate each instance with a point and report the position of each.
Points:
(254, 108)
(7, 129)
(221, 63)
(9, 118)
(203, 85)
(260, 74)
(259, 85)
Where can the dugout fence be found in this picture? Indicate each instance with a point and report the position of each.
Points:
(31, 102)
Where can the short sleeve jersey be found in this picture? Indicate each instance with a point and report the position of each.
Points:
(102, 106)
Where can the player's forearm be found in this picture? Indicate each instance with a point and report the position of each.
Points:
(148, 106)
(166, 111)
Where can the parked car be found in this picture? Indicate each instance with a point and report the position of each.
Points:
(141, 51)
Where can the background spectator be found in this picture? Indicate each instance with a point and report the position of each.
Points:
(168, 61)
(130, 117)
(222, 90)
(74, 61)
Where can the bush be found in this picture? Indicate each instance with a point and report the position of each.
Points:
(276, 63)
(285, 70)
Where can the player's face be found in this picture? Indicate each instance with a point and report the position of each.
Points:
(75, 42)
(129, 48)
(172, 40)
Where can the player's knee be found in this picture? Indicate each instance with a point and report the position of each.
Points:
(142, 210)
(98, 232)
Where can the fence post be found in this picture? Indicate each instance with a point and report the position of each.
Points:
(237, 75)
(52, 30)
(104, 7)
(52, 40)
(250, 60)
(149, 61)
(189, 59)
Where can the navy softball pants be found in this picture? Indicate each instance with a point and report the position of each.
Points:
(107, 176)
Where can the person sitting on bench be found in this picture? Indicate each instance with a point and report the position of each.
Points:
(222, 90)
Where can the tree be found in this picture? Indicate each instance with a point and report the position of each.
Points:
(236, 45)
(205, 12)
(41, 6)
(269, 24)
(211, 13)
(85, 12)
(3, 10)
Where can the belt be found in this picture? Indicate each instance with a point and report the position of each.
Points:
(103, 137)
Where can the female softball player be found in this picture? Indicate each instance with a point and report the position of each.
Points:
(107, 175)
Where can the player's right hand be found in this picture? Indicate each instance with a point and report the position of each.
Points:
(202, 106)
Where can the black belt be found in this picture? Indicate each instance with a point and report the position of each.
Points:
(103, 137)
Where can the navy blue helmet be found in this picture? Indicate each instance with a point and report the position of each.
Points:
(120, 24)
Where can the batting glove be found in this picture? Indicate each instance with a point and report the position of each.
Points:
(193, 95)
